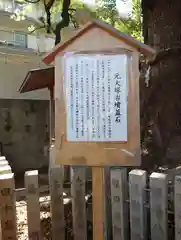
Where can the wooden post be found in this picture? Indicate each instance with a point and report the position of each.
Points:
(119, 205)
(33, 206)
(5, 169)
(78, 203)
(52, 114)
(4, 163)
(52, 130)
(98, 202)
(107, 204)
(8, 207)
(158, 206)
(2, 158)
(52, 156)
(57, 207)
(91, 128)
(137, 184)
(177, 207)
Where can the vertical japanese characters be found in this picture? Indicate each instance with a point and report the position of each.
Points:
(96, 97)
(117, 103)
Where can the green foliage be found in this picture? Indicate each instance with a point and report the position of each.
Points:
(108, 12)
(57, 8)
(132, 25)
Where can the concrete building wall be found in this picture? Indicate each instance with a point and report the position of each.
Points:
(5, 36)
(24, 118)
(33, 11)
(24, 133)
(40, 43)
(12, 74)
(33, 42)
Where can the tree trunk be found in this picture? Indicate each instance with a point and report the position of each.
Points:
(161, 105)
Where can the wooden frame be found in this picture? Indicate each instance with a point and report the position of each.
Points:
(100, 154)
(95, 23)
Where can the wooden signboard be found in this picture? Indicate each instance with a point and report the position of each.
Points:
(97, 97)
(97, 104)
(100, 110)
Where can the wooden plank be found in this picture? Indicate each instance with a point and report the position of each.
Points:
(33, 206)
(44, 190)
(98, 202)
(52, 115)
(21, 192)
(8, 207)
(79, 203)
(2, 158)
(5, 169)
(158, 206)
(57, 207)
(177, 207)
(99, 154)
(52, 162)
(107, 204)
(52, 156)
(4, 163)
(138, 222)
(119, 205)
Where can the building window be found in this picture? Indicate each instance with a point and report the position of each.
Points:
(20, 39)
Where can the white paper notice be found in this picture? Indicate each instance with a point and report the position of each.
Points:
(96, 97)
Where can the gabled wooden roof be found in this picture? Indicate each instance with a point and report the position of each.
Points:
(38, 79)
(143, 48)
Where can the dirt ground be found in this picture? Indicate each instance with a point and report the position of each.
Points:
(45, 220)
(45, 217)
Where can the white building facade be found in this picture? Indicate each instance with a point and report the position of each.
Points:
(20, 50)
(24, 118)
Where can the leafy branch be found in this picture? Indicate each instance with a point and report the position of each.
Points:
(64, 22)
(31, 1)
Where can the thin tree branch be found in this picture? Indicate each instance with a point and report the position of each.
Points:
(64, 22)
(32, 1)
(37, 28)
(48, 6)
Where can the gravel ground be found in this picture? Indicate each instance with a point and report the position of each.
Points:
(45, 219)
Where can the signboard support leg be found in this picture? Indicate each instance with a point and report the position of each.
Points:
(107, 200)
(98, 202)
